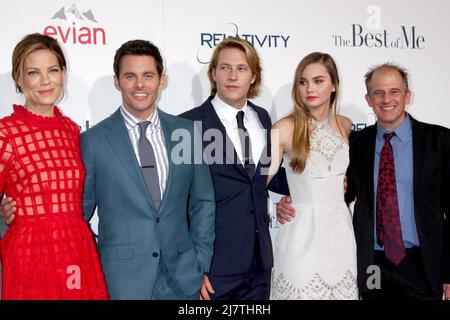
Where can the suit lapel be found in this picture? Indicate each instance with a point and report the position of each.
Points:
(167, 127)
(369, 159)
(119, 139)
(266, 150)
(419, 154)
(212, 121)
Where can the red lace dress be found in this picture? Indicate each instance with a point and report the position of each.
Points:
(48, 251)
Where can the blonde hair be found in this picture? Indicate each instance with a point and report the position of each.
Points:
(252, 58)
(301, 115)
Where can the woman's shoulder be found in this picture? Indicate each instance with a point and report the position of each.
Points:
(71, 125)
(345, 123)
(285, 124)
(283, 129)
(7, 125)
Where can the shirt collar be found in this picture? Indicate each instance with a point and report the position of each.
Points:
(131, 121)
(227, 112)
(403, 130)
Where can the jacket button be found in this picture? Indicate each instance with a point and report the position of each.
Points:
(155, 254)
(253, 211)
(157, 220)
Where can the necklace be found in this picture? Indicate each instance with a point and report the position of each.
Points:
(321, 124)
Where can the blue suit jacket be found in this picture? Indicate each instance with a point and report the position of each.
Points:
(132, 235)
(242, 221)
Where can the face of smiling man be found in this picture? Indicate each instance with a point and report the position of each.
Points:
(139, 84)
(388, 97)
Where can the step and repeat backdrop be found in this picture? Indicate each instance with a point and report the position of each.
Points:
(357, 33)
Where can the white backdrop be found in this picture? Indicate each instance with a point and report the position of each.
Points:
(357, 33)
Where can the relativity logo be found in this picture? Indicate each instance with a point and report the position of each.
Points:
(209, 40)
(73, 27)
(373, 36)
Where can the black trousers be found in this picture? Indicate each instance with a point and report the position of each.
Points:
(251, 285)
(407, 281)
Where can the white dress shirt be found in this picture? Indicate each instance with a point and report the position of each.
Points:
(155, 135)
(227, 115)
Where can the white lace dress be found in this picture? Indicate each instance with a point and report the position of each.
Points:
(315, 253)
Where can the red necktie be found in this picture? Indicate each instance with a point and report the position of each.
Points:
(389, 231)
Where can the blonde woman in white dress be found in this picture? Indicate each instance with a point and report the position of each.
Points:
(315, 253)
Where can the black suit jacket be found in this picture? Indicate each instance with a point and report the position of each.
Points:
(431, 170)
(242, 220)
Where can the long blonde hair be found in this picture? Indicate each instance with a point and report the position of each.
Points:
(301, 115)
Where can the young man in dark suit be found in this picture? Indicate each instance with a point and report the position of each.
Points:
(242, 258)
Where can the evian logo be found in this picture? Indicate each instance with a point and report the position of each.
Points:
(73, 26)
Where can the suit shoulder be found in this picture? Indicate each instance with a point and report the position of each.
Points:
(360, 137)
(434, 128)
(183, 121)
(180, 122)
(436, 133)
(193, 114)
(94, 130)
(258, 108)
(198, 113)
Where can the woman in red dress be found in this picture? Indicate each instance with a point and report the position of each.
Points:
(48, 251)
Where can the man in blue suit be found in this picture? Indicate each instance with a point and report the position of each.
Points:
(156, 232)
(242, 258)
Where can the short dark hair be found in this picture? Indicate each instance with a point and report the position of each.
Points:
(138, 48)
(388, 65)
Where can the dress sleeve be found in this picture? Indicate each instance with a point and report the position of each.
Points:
(6, 159)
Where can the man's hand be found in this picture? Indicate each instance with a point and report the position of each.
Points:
(7, 209)
(285, 212)
(446, 291)
(206, 289)
(345, 184)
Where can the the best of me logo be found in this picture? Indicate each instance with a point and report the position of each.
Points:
(208, 40)
(405, 37)
(72, 26)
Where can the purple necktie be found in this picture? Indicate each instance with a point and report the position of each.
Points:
(389, 231)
